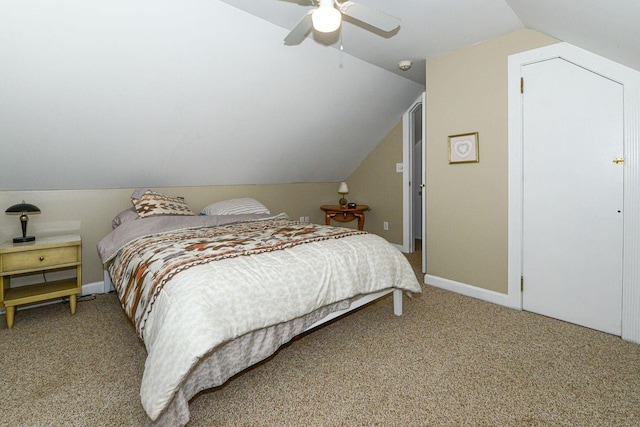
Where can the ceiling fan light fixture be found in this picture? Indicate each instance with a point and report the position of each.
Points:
(326, 18)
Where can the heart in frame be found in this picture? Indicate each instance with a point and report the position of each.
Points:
(462, 148)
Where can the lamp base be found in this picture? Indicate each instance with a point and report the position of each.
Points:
(343, 202)
(24, 239)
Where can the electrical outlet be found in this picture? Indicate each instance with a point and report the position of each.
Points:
(301, 219)
(306, 219)
(385, 225)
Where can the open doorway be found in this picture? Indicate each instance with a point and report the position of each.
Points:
(416, 178)
(414, 236)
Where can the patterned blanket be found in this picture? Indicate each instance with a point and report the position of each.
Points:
(145, 265)
(195, 285)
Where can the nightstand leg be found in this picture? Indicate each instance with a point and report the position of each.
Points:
(72, 303)
(10, 312)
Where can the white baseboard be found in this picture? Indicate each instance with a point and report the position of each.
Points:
(93, 288)
(467, 290)
(438, 282)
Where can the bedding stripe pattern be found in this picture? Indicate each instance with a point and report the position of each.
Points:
(144, 266)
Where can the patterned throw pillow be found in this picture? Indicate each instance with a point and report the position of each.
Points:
(152, 203)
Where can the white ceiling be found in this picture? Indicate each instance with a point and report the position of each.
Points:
(132, 93)
(608, 28)
(432, 27)
(160, 93)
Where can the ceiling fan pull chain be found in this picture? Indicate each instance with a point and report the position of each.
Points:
(341, 54)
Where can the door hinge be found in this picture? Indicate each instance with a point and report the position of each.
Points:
(521, 84)
(521, 283)
(619, 160)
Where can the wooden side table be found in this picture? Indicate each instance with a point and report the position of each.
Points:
(46, 253)
(345, 214)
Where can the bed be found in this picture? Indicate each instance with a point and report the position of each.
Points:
(215, 293)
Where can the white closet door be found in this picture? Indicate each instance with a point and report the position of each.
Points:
(573, 193)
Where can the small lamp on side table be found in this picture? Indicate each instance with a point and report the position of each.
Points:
(23, 209)
(342, 190)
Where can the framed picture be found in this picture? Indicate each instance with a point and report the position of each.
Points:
(464, 148)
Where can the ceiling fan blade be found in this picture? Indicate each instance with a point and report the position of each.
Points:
(299, 32)
(373, 17)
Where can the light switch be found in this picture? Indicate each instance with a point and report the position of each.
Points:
(399, 167)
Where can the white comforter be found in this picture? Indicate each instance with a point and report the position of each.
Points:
(208, 305)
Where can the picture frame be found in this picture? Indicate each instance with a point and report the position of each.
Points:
(464, 148)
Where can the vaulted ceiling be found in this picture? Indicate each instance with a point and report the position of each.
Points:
(428, 28)
(432, 27)
(127, 93)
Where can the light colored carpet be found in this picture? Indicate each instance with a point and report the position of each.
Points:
(449, 361)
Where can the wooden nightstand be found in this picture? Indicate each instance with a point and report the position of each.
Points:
(46, 253)
(341, 214)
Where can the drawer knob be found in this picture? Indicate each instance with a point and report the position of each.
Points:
(41, 258)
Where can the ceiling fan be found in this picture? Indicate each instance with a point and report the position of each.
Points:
(327, 17)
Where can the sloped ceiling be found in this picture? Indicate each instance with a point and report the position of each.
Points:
(432, 27)
(127, 93)
(428, 28)
(607, 28)
(121, 93)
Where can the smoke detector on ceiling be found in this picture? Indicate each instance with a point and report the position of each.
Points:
(404, 65)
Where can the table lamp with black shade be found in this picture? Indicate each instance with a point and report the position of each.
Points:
(23, 209)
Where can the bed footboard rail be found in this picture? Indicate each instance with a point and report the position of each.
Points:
(397, 305)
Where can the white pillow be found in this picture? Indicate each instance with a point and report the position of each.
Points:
(235, 207)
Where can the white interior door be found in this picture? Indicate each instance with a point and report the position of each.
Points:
(423, 185)
(572, 195)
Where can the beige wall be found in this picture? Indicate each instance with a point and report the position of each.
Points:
(89, 212)
(377, 184)
(467, 203)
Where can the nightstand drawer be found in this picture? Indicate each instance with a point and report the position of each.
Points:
(41, 258)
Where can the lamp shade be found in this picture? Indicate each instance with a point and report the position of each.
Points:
(326, 18)
(343, 189)
(22, 207)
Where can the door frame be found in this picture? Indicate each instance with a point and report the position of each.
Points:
(630, 80)
(408, 239)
